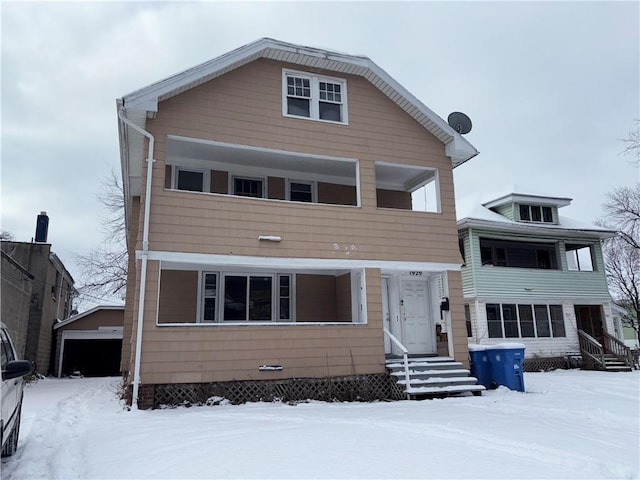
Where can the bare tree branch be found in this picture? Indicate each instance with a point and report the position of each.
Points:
(104, 270)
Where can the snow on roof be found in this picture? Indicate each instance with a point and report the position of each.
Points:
(471, 209)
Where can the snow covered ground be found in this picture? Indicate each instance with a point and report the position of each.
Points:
(569, 424)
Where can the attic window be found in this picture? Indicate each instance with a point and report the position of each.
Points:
(536, 213)
(314, 97)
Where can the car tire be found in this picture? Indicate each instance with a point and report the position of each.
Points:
(12, 442)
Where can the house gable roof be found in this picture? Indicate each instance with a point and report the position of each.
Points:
(143, 102)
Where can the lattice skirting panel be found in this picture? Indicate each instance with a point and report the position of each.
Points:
(362, 388)
(545, 364)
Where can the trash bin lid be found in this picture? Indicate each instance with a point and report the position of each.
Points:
(507, 346)
(474, 347)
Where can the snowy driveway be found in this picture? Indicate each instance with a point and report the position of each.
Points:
(569, 424)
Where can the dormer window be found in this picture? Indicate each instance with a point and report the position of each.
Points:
(314, 97)
(536, 213)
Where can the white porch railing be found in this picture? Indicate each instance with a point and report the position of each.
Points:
(405, 356)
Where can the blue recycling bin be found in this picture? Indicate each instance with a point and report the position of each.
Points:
(506, 365)
(480, 365)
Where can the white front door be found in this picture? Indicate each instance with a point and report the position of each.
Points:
(418, 332)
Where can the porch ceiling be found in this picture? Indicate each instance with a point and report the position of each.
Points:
(197, 153)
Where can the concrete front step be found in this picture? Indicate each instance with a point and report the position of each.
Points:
(426, 374)
(417, 392)
(433, 376)
(425, 366)
(617, 368)
(438, 381)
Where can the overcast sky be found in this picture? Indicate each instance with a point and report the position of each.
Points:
(551, 88)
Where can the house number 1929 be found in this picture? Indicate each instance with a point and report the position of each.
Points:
(415, 274)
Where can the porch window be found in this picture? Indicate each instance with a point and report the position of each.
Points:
(209, 296)
(248, 187)
(300, 191)
(193, 296)
(525, 321)
(190, 180)
(314, 97)
(511, 253)
(247, 298)
(579, 257)
(284, 286)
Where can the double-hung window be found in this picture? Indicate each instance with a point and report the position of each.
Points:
(315, 97)
(300, 191)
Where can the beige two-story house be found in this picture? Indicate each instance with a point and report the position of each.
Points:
(290, 215)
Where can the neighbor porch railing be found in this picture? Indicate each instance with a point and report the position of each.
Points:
(405, 356)
(591, 350)
(615, 347)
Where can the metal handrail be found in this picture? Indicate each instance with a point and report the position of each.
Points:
(405, 356)
(619, 349)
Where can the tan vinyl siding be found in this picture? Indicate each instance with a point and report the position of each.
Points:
(394, 199)
(168, 171)
(224, 353)
(178, 296)
(219, 181)
(336, 194)
(458, 320)
(315, 298)
(244, 107)
(132, 286)
(276, 188)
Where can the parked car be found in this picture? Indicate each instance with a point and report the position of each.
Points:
(13, 372)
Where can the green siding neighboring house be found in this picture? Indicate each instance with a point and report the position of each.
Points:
(533, 276)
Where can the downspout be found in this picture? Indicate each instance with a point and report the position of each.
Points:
(143, 256)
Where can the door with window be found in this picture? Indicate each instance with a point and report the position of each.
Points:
(418, 328)
(589, 320)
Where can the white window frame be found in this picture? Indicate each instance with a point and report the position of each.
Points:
(529, 207)
(314, 102)
(232, 185)
(311, 183)
(552, 332)
(206, 178)
(202, 297)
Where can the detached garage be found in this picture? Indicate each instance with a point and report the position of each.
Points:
(90, 342)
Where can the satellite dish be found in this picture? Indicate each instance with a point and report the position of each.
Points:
(459, 122)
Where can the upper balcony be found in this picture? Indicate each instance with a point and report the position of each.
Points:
(212, 167)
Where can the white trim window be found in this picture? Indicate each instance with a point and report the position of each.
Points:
(301, 191)
(536, 213)
(315, 97)
(209, 296)
(509, 320)
(248, 187)
(190, 179)
(248, 297)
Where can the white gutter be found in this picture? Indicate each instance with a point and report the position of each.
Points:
(144, 254)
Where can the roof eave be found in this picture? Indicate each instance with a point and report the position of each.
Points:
(528, 228)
